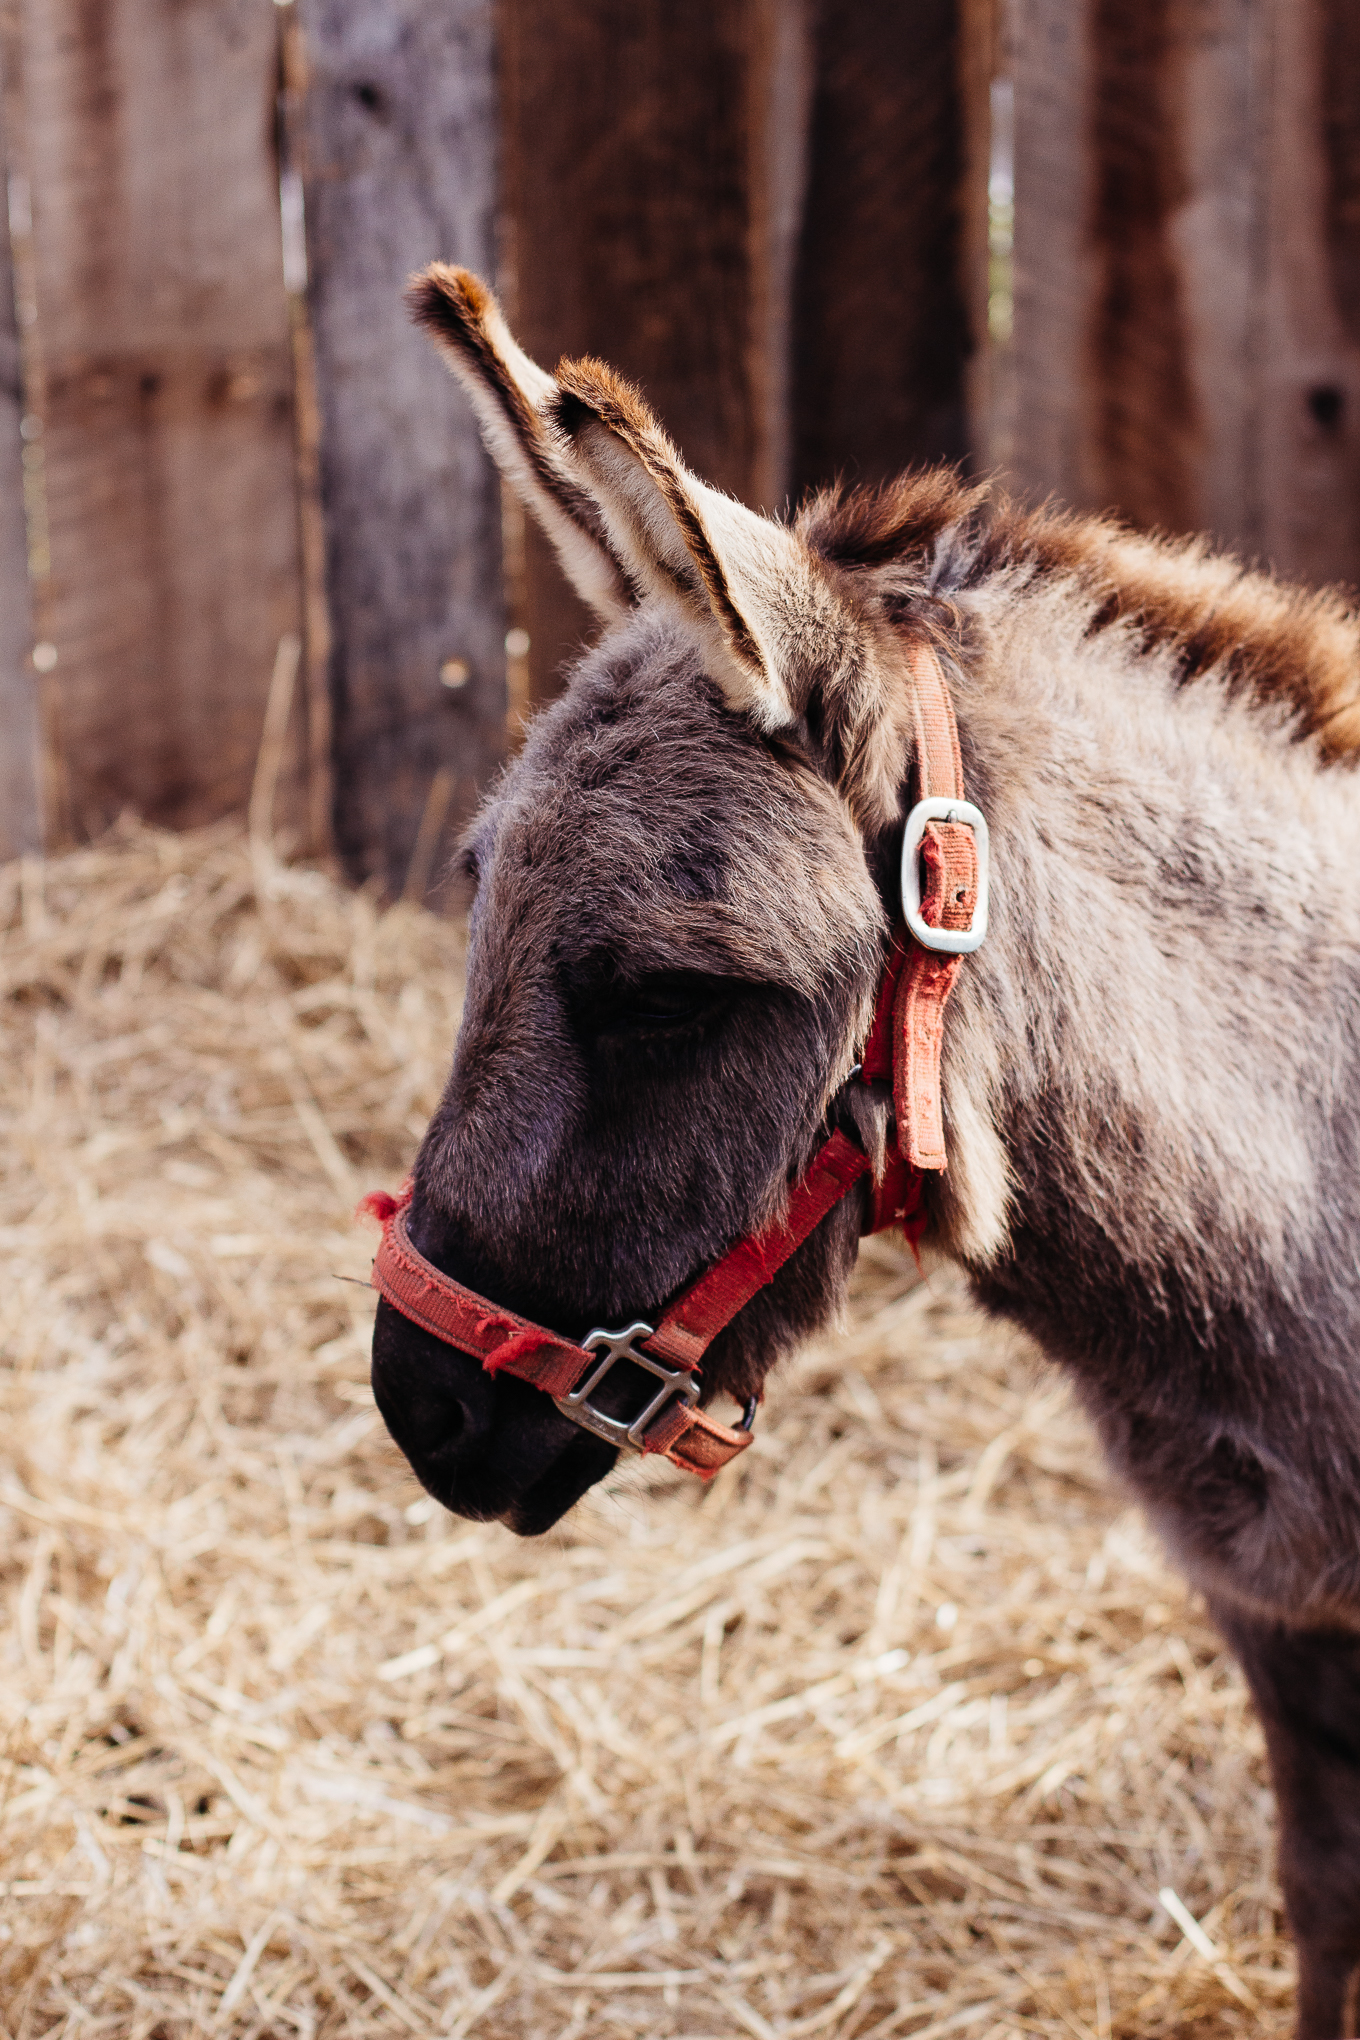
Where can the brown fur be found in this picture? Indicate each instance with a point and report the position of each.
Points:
(1274, 642)
(461, 315)
(592, 390)
(1151, 1068)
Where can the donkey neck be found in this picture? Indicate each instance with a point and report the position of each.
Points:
(1152, 1051)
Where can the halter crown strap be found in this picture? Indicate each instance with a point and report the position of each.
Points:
(903, 1045)
(948, 900)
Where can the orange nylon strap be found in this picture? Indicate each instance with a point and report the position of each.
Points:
(948, 897)
(695, 1441)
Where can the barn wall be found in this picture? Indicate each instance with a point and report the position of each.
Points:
(1308, 353)
(772, 215)
(661, 187)
(764, 219)
(20, 804)
(642, 169)
(399, 155)
(167, 417)
(886, 327)
(1187, 348)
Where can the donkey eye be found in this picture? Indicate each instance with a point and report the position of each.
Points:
(661, 1004)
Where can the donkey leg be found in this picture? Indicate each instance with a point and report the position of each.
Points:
(1306, 1684)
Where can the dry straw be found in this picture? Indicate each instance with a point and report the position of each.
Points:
(900, 1729)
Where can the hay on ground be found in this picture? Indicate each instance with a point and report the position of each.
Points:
(899, 1729)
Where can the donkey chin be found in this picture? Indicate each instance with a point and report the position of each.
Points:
(686, 890)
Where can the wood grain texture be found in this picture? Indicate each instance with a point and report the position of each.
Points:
(1187, 337)
(1309, 450)
(20, 804)
(400, 151)
(1053, 261)
(1143, 420)
(884, 318)
(640, 226)
(760, 213)
(168, 436)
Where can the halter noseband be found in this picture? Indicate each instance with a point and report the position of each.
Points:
(945, 916)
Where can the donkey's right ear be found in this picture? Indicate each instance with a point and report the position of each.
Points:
(511, 396)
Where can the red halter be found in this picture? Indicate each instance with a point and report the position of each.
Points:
(945, 916)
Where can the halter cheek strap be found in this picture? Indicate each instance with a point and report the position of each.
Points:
(946, 912)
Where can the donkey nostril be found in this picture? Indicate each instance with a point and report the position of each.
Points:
(436, 1402)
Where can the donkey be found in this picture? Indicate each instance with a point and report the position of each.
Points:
(687, 887)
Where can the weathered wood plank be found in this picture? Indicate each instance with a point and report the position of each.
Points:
(1051, 77)
(20, 803)
(1187, 349)
(767, 214)
(1308, 478)
(167, 428)
(400, 151)
(636, 157)
(885, 313)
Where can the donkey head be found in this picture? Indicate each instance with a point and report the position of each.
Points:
(677, 931)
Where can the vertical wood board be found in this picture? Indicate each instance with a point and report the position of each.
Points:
(400, 152)
(885, 316)
(20, 807)
(765, 215)
(1187, 247)
(640, 226)
(1309, 360)
(168, 433)
(1052, 258)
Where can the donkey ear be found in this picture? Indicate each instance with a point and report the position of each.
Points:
(787, 641)
(513, 399)
(747, 586)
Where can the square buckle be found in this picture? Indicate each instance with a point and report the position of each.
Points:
(946, 941)
(675, 1381)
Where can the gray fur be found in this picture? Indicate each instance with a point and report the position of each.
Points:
(1151, 1068)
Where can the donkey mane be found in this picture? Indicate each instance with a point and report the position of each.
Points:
(1268, 641)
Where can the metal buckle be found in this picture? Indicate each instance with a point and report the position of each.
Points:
(947, 941)
(623, 1346)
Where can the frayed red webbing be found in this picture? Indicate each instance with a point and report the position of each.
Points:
(508, 1344)
(694, 1321)
(498, 1338)
(876, 1063)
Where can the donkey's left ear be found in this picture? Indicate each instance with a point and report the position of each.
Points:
(784, 641)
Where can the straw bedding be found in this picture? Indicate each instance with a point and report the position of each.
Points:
(901, 1728)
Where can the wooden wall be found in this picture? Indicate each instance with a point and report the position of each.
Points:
(1187, 317)
(399, 161)
(639, 226)
(773, 215)
(170, 570)
(889, 309)
(20, 749)
(767, 217)
(646, 183)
